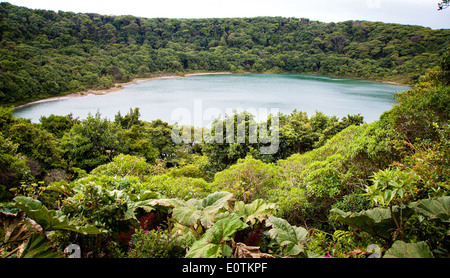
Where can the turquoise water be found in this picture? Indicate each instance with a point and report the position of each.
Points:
(197, 99)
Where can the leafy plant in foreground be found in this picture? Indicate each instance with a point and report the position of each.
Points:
(214, 243)
(393, 186)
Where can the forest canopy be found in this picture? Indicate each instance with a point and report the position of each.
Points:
(47, 53)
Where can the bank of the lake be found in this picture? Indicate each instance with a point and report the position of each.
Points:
(116, 87)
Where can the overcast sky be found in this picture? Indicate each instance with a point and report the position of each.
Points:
(413, 12)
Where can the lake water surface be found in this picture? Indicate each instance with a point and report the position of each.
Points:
(193, 99)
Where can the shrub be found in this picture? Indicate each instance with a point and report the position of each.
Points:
(155, 244)
(175, 187)
(249, 179)
(123, 166)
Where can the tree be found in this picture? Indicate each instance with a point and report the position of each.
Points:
(93, 142)
(58, 125)
(13, 167)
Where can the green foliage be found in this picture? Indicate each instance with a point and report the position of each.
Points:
(392, 186)
(111, 209)
(200, 215)
(92, 142)
(37, 144)
(232, 139)
(39, 246)
(377, 222)
(434, 208)
(51, 220)
(176, 187)
(248, 179)
(291, 239)
(256, 212)
(58, 125)
(13, 166)
(213, 243)
(404, 250)
(155, 244)
(212, 198)
(123, 166)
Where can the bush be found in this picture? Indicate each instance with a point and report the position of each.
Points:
(93, 142)
(155, 244)
(176, 187)
(123, 166)
(248, 179)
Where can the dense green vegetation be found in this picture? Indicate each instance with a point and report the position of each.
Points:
(44, 53)
(122, 188)
(334, 189)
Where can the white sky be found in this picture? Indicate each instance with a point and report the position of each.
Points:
(413, 12)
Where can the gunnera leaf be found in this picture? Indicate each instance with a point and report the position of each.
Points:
(401, 249)
(377, 222)
(213, 242)
(289, 237)
(434, 209)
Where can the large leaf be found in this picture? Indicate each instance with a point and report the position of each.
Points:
(213, 242)
(171, 203)
(190, 212)
(133, 206)
(217, 199)
(258, 210)
(289, 237)
(62, 187)
(51, 219)
(401, 249)
(16, 227)
(187, 216)
(434, 209)
(39, 246)
(377, 222)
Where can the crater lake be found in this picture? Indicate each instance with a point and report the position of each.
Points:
(185, 99)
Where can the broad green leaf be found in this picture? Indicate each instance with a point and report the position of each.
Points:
(16, 228)
(187, 216)
(204, 249)
(39, 246)
(213, 242)
(168, 203)
(258, 210)
(61, 187)
(190, 212)
(133, 206)
(434, 209)
(401, 249)
(377, 222)
(217, 199)
(289, 237)
(51, 219)
(197, 204)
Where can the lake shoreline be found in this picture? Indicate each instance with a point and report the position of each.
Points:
(119, 86)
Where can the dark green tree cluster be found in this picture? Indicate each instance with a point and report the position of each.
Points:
(60, 146)
(44, 53)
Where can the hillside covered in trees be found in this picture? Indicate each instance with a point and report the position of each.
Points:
(123, 189)
(44, 53)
